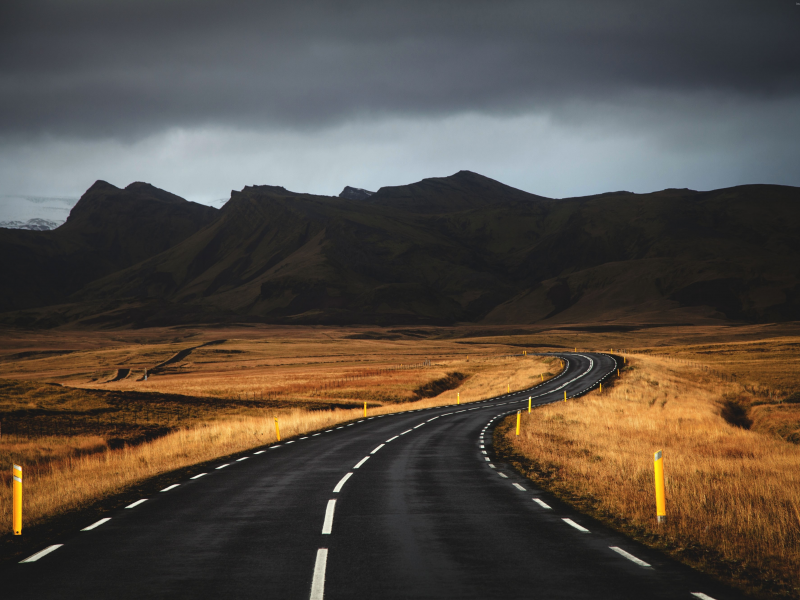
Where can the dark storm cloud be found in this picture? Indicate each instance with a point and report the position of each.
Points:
(131, 68)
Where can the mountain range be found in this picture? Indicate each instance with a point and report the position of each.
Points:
(463, 248)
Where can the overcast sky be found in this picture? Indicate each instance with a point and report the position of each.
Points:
(559, 98)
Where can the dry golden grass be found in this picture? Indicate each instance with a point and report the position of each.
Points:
(65, 473)
(733, 494)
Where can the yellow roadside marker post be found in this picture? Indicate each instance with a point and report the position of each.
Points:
(17, 501)
(458, 398)
(529, 404)
(542, 376)
(277, 430)
(617, 372)
(565, 395)
(661, 508)
(518, 418)
(509, 389)
(601, 387)
(365, 409)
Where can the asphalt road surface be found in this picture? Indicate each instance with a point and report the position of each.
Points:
(411, 505)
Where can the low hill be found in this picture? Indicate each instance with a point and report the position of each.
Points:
(467, 248)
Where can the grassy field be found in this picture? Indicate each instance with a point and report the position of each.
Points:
(719, 400)
(83, 435)
(733, 481)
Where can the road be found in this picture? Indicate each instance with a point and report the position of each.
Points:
(411, 505)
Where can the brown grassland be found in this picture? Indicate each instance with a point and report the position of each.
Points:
(721, 401)
(81, 436)
(733, 480)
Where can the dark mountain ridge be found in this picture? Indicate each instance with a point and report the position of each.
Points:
(107, 230)
(463, 248)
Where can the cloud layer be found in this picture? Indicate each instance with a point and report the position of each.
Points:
(709, 85)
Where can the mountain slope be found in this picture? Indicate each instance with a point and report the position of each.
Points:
(463, 248)
(107, 230)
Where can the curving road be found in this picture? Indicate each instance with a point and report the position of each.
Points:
(410, 505)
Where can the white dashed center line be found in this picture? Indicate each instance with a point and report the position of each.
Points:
(41, 553)
(378, 448)
(391, 439)
(542, 504)
(223, 466)
(342, 481)
(572, 523)
(198, 476)
(327, 525)
(702, 596)
(629, 556)
(407, 431)
(137, 503)
(361, 462)
(260, 452)
(170, 487)
(503, 475)
(492, 466)
(486, 458)
(418, 426)
(316, 434)
(93, 525)
(275, 446)
(519, 487)
(241, 459)
(318, 583)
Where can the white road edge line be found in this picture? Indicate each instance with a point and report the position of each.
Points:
(198, 476)
(361, 462)
(223, 466)
(41, 553)
(519, 487)
(542, 504)
(94, 525)
(318, 583)
(241, 459)
(702, 596)
(572, 523)
(260, 452)
(342, 481)
(629, 556)
(378, 448)
(137, 503)
(327, 525)
(170, 487)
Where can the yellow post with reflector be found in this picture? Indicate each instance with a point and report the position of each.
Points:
(277, 430)
(601, 387)
(518, 418)
(508, 391)
(458, 397)
(565, 395)
(17, 501)
(529, 404)
(542, 376)
(661, 504)
(365, 409)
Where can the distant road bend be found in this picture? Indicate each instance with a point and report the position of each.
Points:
(410, 505)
